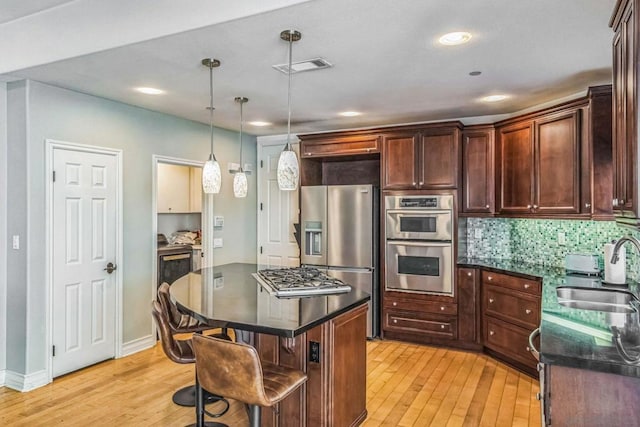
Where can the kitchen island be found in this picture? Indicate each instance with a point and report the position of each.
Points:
(584, 377)
(322, 335)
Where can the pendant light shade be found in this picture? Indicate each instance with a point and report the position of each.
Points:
(288, 171)
(240, 177)
(211, 175)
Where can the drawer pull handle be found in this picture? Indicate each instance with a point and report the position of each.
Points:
(527, 311)
(469, 274)
(487, 207)
(490, 300)
(413, 183)
(395, 320)
(442, 308)
(441, 326)
(491, 333)
(527, 286)
(395, 303)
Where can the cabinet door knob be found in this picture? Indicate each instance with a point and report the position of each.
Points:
(489, 277)
(442, 308)
(413, 183)
(528, 348)
(527, 311)
(395, 320)
(442, 326)
(535, 206)
(526, 286)
(615, 202)
(490, 300)
(469, 274)
(421, 182)
(368, 150)
(621, 201)
(587, 205)
(528, 206)
(394, 303)
(491, 333)
(487, 206)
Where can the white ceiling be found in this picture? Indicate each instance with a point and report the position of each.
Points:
(386, 62)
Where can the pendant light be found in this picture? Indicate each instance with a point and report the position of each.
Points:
(288, 167)
(240, 178)
(211, 176)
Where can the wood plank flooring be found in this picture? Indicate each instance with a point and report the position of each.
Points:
(407, 385)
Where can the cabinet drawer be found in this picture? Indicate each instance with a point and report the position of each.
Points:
(510, 340)
(512, 282)
(421, 306)
(511, 306)
(433, 325)
(342, 146)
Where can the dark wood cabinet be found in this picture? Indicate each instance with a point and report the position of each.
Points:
(539, 162)
(320, 145)
(477, 179)
(424, 158)
(510, 312)
(625, 122)
(468, 285)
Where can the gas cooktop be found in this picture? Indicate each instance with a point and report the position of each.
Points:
(300, 281)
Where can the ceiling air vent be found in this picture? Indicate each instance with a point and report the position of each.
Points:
(306, 65)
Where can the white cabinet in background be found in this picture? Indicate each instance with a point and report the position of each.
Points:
(179, 189)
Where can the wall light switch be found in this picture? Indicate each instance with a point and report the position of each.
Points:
(217, 242)
(218, 221)
(16, 242)
(562, 238)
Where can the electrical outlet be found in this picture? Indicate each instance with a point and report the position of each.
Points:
(562, 238)
(217, 242)
(477, 233)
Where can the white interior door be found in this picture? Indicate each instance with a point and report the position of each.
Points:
(84, 242)
(277, 212)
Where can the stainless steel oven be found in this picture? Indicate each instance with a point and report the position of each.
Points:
(419, 250)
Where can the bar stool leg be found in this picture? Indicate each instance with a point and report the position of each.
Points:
(200, 422)
(254, 415)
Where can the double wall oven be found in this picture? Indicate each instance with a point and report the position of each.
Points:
(418, 239)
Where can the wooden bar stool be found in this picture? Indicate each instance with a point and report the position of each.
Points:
(181, 324)
(181, 351)
(234, 370)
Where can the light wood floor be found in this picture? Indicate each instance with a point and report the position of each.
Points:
(407, 385)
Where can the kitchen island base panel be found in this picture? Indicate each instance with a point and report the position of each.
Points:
(335, 392)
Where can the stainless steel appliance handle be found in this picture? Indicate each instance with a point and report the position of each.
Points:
(175, 257)
(532, 348)
(417, 211)
(420, 243)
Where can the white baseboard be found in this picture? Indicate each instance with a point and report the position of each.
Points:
(24, 383)
(137, 345)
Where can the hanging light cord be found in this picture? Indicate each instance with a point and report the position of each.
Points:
(241, 123)
(289, 89)
(211, 156)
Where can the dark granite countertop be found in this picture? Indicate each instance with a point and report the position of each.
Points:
(570, 336)
(229, 296)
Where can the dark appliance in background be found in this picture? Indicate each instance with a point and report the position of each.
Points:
(419, 249)
(339, 236)
(174, 261)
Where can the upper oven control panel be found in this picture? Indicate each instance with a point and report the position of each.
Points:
(444, 202)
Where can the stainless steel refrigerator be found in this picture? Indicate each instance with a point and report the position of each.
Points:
(340, 235)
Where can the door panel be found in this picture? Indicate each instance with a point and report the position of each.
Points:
(400, 158)
(516, 168)
(84, 241)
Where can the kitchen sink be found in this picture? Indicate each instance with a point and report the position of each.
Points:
(599, 299)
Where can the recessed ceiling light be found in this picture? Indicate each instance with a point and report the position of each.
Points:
(455, 38)
(150, 90)
(494, 98)
(350, 113)
(259, 123)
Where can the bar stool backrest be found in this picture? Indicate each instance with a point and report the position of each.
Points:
(178, 351)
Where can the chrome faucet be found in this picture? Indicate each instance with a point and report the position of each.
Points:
(619, 243)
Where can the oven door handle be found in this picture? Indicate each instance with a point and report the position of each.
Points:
(175, 257)
(417, 212)
(430, 243)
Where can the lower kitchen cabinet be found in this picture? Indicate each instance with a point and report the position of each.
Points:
(468, 295)
(579, 397)
(510, 312)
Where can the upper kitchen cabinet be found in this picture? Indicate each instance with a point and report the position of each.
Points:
(335, 158)
(421, 158)
(477, 169)
(625, 122)
(179, 189)
(555, 162)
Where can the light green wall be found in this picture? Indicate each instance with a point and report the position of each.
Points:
(59, 114)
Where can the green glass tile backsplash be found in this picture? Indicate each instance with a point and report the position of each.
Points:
(539, 241)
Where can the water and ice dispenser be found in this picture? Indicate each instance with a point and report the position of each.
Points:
(313, 238)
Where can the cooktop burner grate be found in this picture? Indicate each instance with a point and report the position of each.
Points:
(299, 281)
